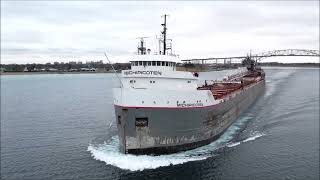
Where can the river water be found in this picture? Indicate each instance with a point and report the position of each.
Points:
(61, 126)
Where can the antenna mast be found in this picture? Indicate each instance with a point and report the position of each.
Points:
(164, 32)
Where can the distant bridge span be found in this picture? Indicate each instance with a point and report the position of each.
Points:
(263, 55)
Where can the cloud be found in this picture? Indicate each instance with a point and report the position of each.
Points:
(42, 31)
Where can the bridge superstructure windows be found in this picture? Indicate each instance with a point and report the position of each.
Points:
(153, 63)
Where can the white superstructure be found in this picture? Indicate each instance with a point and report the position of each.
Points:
(153, 81)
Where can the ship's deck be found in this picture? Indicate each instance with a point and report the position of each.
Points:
(220, 89)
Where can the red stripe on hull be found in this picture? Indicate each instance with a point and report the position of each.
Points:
(195, 107)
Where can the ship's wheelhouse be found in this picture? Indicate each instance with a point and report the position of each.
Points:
(157, 72)
(153, 63)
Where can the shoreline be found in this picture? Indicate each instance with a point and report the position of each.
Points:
(35, 73)
(110, 72)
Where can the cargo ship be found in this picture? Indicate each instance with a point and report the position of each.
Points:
(160, 110)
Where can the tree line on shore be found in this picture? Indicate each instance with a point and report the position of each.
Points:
(71, 66)
(105, 67)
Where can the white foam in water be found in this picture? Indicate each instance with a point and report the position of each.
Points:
(233, 144)
(251, 138)
(110, 154)
(257, 135)
(275, 79)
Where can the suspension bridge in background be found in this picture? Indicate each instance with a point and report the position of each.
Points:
(257, 57)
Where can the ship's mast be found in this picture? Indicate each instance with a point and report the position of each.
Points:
(164, 32)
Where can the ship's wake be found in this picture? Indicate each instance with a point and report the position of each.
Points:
(275, 79)
(109, 153)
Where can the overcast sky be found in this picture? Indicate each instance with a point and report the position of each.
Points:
(40, 32)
